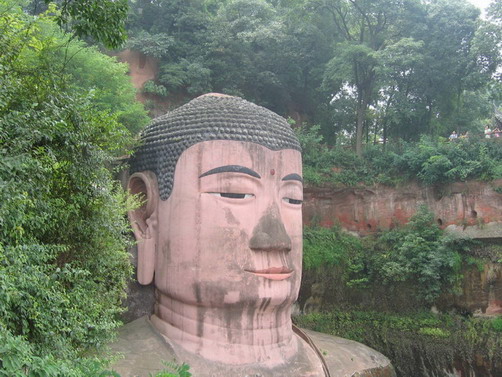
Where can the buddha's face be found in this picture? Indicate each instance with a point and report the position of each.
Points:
(230, 233)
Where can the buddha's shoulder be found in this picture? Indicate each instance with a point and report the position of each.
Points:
(345, 357)
(143, 349)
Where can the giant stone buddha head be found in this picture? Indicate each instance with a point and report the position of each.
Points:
(220, 229)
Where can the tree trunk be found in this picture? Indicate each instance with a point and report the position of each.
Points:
(384, 134)
(361, 112)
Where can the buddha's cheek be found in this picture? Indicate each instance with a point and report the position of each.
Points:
(223, 258)
(223, 277)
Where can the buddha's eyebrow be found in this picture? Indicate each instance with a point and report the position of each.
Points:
(293, 177)
(231, 169)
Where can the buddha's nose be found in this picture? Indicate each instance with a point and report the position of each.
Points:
(269, 234)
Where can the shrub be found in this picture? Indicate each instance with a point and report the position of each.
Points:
(430, 160)
(419, 253)
(88, 71)
(151, 87)
(63, 233)
(327, 248)
(497, 324)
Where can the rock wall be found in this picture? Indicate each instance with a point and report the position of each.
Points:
(481, 291)
(470, 208)
(143, 68)
(464, 206)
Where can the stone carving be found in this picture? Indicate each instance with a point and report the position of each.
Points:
(220, 235)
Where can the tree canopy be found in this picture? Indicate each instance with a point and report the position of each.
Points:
(102, 21)
(362, 70)
(64, 112)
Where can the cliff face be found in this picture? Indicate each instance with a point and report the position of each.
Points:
(481, 291)
(471, 208)
(365, 210)
(144, 68)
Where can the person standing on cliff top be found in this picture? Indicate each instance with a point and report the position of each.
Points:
(488, 132)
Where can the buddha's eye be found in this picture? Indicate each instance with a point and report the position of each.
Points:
(232, 195)
(293, 201)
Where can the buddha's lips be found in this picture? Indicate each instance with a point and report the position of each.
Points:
(273, 273)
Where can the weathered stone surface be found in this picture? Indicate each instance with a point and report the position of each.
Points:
(481, 292)
(143, 349)
(219, 233)
(491, 230)
(346, 358)
(142, 68)
(467, 205)
(467, 209)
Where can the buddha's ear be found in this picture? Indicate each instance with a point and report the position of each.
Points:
(144, 222)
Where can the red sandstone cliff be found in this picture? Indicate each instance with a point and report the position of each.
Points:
(467, 206)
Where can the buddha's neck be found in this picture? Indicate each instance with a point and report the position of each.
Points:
(232, 335)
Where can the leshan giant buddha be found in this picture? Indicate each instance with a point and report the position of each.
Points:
(220, 235)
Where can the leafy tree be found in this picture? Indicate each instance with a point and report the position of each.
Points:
(63, 263)
(261, 51)
(176, 33)
(391, 61)
(88, 70)
(241, 55)
(395, 104)
(494, 31)
(363, 28)
(101, 20)
(453, 67)
(360, 69)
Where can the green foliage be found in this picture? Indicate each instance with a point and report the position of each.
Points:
(156, 45)
(174, 370)
(362, 70)
(323, 164)
(18, 358)
(150, 87)
(431, 161)
(434, 332)
(418, 253)
(497, 324)
(246, 48)
(317, 159)
(189, 75)
(412, 339)
(88, 70)
(103, 20)
(63, 234)
(333, 248)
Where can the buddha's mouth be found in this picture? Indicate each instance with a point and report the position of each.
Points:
(273, 273)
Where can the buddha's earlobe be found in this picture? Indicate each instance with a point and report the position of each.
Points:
(144, 222)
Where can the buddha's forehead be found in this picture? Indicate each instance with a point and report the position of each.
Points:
(211, 154)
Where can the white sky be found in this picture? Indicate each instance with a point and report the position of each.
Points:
(481, 4)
